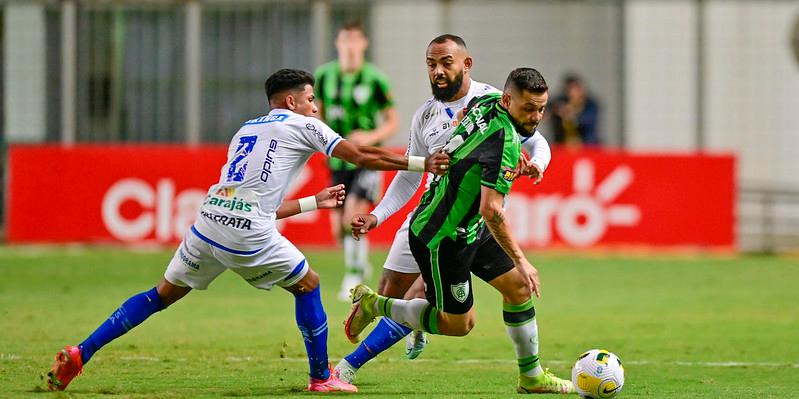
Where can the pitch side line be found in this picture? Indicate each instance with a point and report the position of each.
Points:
(513, 361)
(235, 359)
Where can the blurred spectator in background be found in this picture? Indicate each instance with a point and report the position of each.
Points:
(355, 100)
(575, 115)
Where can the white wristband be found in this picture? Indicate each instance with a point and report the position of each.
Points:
(415, 164)
(307, 204)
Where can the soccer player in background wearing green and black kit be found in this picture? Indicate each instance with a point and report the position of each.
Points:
(355, 100)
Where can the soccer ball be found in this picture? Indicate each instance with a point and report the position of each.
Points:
(598, 374)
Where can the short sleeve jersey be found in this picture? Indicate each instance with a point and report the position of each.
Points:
(263, 157)
(351, 101)
(488, 156)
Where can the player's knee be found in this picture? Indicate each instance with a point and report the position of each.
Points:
(459, 327)
(517, 293)
(308, 283)
(393, 284)
(169, 293)
(463, 328)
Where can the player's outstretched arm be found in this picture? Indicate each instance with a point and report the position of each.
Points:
(329, 197)
(494, 215)
(380, 159)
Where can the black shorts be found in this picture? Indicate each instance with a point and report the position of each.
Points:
(447, 269)
(360, 183)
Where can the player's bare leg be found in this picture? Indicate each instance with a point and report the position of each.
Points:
(518, 312)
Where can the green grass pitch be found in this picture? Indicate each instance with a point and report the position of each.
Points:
(686, 327)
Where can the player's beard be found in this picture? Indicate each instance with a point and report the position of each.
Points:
(446, 93)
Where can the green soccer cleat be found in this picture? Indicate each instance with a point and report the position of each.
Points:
(362, 313)
(545, 382)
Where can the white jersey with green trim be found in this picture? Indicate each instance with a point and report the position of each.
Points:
(264, 156)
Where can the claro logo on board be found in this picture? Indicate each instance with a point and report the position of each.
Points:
(163, 211)
(581, 218)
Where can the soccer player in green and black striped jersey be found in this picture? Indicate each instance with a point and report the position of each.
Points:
(460, 227)
(355, 101)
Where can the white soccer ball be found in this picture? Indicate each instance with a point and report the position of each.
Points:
(598, 374)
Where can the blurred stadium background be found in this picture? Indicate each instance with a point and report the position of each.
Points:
(677, 77)
(115, 115)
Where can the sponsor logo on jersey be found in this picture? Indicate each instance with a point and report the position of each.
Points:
(266, 169)
(312, 128)
(509, 174)
(258, 277)
(477, 113)
(230, 221)
(361, 94)
(233, 204)
(186, 261)
(460, 291)
(267, 119)
(226, 192)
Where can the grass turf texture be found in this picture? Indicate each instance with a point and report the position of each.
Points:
(686, 327)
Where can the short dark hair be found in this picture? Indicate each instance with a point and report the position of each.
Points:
(526, 79)
(572, 78)
(448, 37)
(352, 25)
(287, 79)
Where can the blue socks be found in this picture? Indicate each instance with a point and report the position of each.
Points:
(387, 333)
(134, 311)
(309, 312)
(312, 321)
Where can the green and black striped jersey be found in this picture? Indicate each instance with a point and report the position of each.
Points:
(351, 101)
(488, 156)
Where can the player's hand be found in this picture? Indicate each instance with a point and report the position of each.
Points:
(530, 276)
(331, 197)
(361, 224)
(528, 168)
(438, 163)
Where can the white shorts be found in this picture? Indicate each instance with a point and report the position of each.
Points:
(199, 260)
(400, 259)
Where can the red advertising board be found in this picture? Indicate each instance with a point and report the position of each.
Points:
(150, 193)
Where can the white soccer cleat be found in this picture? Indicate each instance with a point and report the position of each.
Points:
(345, 372)
(415, 344)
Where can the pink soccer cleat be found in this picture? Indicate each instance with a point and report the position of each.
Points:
(332, 384)
(68, 364)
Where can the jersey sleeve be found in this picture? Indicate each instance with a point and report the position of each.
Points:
(400, 191)
(382, 91)
(416, 143)
(538, 148)
(318, 135)
(498, 160)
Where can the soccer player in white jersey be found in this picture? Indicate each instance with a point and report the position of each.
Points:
(448, 66)
(235, 228)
